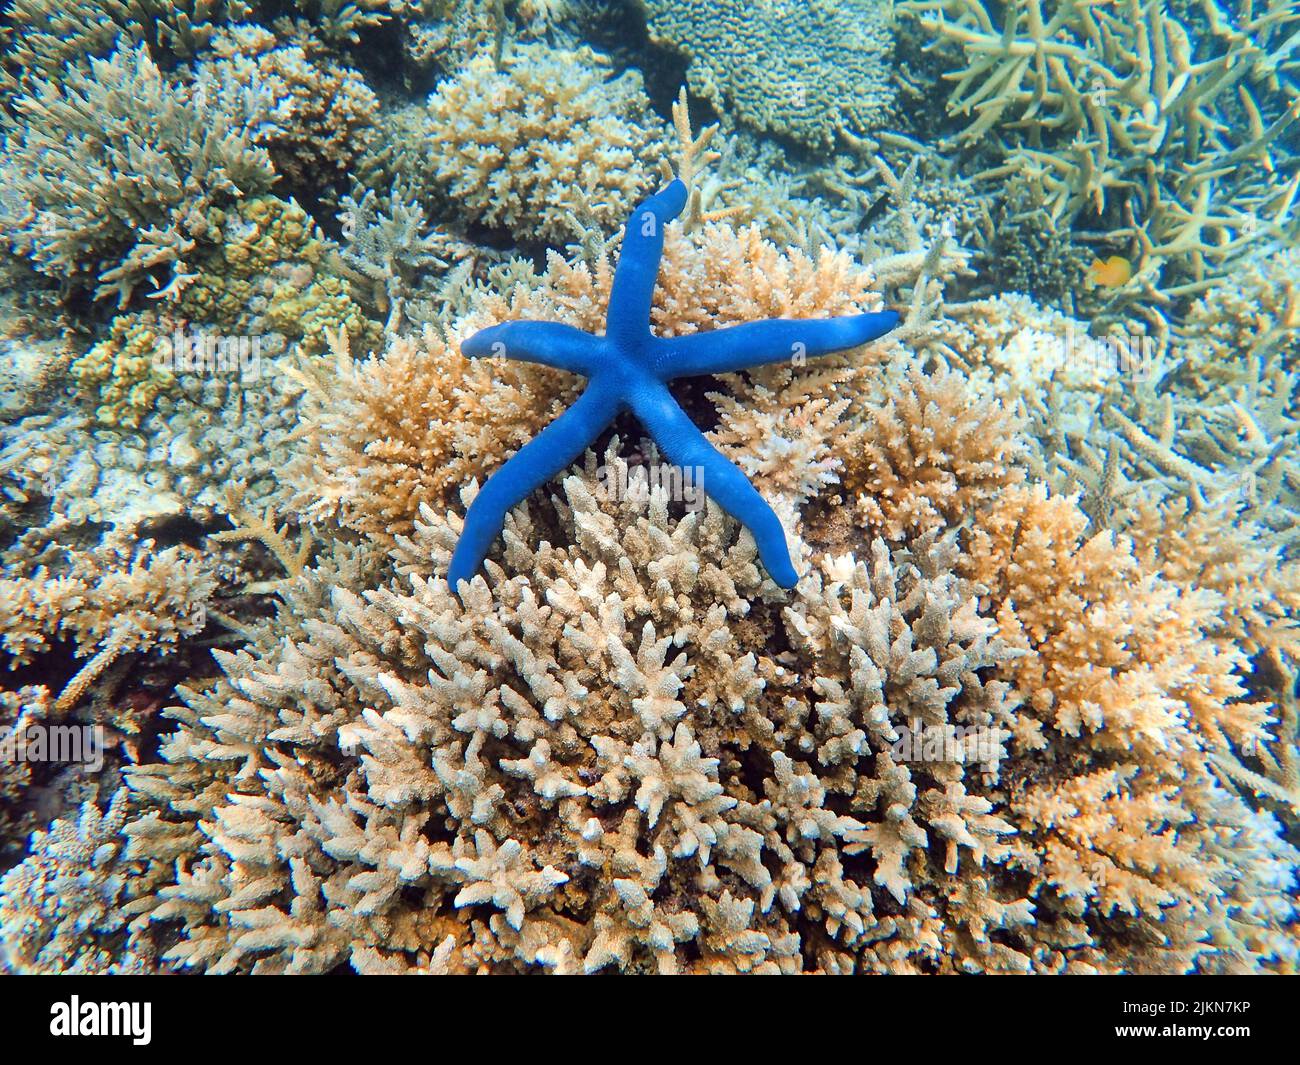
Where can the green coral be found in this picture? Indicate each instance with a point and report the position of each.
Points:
(324, 306)
(121, 370)
(273, 274)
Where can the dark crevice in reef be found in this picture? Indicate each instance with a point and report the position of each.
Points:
(618, 27)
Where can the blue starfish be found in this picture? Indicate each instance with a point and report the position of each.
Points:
(628, 369)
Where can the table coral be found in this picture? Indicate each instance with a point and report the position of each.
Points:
(807, 70)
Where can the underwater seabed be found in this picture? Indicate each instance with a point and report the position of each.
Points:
(649, 486)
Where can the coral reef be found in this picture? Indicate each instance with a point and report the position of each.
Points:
(62, 909)
(190, 151)
(1029, 701)
(325, 111)
(1124, 116)
(596, 760)
(109, 602)
(52, 34)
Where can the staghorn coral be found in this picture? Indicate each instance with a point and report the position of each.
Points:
(807, 71)
(1120, 115)
(544, 148)
(620, 750)
(1204, 411)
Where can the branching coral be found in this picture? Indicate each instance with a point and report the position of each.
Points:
(1118, 669)
(930, 456)
(563, 779)
(995, 726)
(1118, 113)
(391, 250)
(544, 147)
(376, 458)
(62, 909)
(118, 173)
(112, 601)
(50, 34)
(325, 111)
(989, 748)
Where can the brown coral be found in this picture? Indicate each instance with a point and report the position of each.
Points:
(930, 455)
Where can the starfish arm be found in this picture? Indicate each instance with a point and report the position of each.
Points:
(532, 466)
(687, 447)
(740, 347)
(548, 343)
(628, 317)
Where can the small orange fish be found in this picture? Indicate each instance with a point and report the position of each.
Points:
(1112, 273)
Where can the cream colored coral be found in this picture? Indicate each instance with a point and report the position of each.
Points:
(114, 600)
(930, 456)
(544, 147)
(574, 733)
(411, 425)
